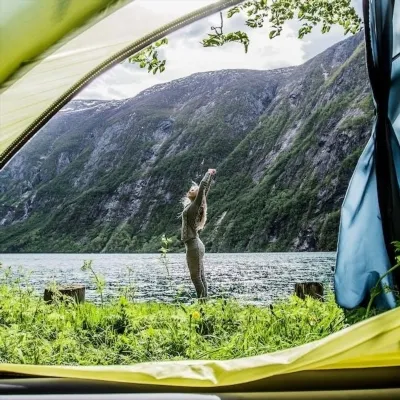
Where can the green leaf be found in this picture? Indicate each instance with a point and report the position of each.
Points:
(251, 23)
(233, 11)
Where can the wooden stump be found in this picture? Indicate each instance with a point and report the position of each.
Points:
(312, 289)
(76, 292)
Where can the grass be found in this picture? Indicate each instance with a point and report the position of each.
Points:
(125, 332)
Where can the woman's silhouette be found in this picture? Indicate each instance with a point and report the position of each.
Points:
(194, 217)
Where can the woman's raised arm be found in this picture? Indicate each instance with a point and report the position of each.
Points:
(204, 186)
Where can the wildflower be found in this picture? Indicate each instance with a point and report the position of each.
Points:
(312, 321)
(196, 315)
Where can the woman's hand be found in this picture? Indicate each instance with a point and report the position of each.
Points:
(212, 171)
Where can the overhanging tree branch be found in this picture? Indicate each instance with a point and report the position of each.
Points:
(274, 12)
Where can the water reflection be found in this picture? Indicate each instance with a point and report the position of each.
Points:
(257, 278)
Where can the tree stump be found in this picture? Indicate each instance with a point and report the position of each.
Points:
(312, 289)
(65, 292)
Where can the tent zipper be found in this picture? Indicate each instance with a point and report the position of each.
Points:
(128, 51)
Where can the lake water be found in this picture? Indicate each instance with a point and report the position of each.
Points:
(257, 278)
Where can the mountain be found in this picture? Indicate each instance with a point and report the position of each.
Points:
(108, 176)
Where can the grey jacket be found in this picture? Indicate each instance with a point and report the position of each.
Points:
(191, 211)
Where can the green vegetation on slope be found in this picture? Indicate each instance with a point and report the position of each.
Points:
(284, 142)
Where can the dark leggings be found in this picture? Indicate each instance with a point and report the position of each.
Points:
(194, 256)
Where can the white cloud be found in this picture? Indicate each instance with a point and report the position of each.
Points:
(185, 55)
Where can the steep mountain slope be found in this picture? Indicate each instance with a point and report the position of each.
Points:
(108, 175)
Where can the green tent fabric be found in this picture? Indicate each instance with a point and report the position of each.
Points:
(94, 40)
(44, 23)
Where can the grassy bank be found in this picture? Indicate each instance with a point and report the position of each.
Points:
(125, 332)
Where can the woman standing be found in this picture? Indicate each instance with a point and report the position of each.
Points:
(194, 217)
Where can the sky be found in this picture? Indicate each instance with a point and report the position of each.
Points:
(185, 55)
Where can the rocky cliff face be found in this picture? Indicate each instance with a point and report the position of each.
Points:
(108, 175)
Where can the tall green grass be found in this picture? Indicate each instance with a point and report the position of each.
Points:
(125, 332)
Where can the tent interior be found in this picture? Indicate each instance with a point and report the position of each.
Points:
(71, 43)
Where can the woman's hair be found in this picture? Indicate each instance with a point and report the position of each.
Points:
(202, 215)
(185, 199)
